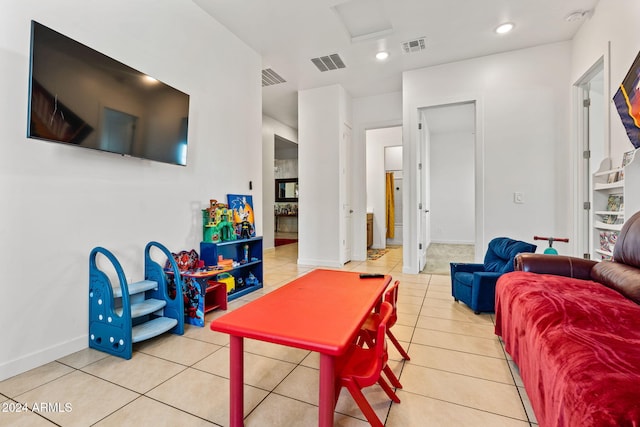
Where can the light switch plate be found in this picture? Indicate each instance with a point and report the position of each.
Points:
(518, 197)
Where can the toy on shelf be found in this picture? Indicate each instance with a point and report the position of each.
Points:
(251, 280)
(246, 229)
(219, 226)
(227, 279)
(241, 262)
(551, 250)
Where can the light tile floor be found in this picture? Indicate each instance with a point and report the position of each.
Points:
(459, 374)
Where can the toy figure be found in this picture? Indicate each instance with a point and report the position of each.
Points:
(245, 227)
(225, 226)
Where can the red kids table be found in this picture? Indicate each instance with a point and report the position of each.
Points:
(321, 311)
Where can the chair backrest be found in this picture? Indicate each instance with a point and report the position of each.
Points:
(186, 260)
(381, 340)
(501, 253)
(391, 296)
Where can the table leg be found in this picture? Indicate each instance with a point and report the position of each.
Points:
(327, 391)
(236, 396)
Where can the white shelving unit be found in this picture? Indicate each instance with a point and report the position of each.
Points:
(612, 197)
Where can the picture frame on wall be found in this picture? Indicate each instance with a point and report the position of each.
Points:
(243, 215)
(627, 102)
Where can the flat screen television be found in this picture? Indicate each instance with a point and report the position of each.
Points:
(80, 97)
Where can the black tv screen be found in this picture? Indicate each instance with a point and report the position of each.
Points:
(80, 97)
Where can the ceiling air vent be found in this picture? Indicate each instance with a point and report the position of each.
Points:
(270, 77)
(413, 46)
(330, 62)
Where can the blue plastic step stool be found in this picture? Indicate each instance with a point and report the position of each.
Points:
(132, 312)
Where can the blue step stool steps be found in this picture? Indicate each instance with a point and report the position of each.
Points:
(132, 312)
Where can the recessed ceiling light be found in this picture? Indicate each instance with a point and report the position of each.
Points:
(504, 28)
(381, 56)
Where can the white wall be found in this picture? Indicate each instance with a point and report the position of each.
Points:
(270, 128)
(393, 155)
(58, 202)
(452, 204)
(523, 132)
(369, 112)
(377, 140)
(319, 134)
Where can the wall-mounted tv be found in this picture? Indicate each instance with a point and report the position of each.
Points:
(80, 97)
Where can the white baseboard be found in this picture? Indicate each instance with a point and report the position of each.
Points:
(407, 270)
(394, 242)
(454, 242)
(42, 357)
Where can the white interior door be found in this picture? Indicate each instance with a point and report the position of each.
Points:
(593, 149)
(424, 234)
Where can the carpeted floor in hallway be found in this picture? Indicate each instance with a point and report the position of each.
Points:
(439, 255)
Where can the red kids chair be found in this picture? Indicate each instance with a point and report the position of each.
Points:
(371, 324)
(362, 367)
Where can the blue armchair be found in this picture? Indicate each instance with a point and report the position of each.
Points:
(475, 284)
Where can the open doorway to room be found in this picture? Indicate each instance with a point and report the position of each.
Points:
(449, 205)
(384, 189)
(285, 187)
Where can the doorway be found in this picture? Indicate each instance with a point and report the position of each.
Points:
(393, 166)
(447, 191)
(285, 208)
(592, 150)
(382, 148)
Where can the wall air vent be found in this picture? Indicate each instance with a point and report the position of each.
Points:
(330, 62)
(270, 78)
(413, 46)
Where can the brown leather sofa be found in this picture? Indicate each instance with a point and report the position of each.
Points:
(559, 265)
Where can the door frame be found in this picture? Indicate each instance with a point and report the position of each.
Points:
(583, 224)
(423, 189)
(346, 209)
(412, 229)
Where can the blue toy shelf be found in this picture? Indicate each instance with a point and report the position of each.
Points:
(247, 255)
(132, 312)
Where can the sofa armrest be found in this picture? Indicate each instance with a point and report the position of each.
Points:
(462, 267)
(577, 268)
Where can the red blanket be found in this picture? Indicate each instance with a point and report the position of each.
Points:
(577, 344)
